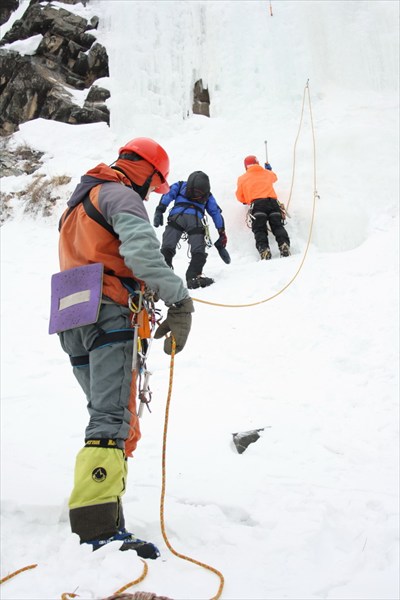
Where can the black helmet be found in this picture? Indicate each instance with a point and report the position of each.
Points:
(198, 187)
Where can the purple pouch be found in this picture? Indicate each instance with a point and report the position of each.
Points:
(75, 297)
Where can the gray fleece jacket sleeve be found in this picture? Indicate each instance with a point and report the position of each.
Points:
(141, 252)
(125, 211)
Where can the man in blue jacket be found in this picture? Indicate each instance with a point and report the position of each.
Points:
(192, 198)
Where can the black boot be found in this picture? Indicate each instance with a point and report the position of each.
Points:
(199, 282)
(264, 251)
(284, 249)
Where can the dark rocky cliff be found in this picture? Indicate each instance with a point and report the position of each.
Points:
(67, 58)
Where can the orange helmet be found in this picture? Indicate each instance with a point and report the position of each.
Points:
(250, 160)
(153, 153)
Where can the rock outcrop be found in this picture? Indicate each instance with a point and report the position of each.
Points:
(67, 58)
(7, 7)
(201, 99)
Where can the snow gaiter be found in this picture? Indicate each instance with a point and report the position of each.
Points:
(95, 501)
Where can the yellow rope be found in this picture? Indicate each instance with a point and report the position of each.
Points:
(11, 575)
(306, 93)
(162, 501)
(314, 145)
(315, 196)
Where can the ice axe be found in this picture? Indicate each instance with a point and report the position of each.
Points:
(266, 151)
(266, 165)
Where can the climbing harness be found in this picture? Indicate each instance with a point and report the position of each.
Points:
(207, 237)
(204, 229)
(284, 212)
(250, 217)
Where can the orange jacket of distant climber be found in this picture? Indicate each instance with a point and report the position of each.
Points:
(257, 182)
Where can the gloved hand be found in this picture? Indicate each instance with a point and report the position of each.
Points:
(268, 166)
(158, 216)
(222, 251)
(223, 240)
(178, 322)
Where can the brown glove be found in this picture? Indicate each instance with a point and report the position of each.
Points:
(178, 322)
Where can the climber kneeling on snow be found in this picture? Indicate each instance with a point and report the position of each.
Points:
(106, 227)
(192, 198)
(255, 188)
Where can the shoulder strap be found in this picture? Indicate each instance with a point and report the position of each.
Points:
(96, 215)
(129, 283)
(64, 217)
(91, 212)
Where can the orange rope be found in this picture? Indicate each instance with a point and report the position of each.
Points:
(68, 595)
(136, 581)
(11, 575)
(162, 501)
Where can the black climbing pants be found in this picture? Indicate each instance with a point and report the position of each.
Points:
(266, 211)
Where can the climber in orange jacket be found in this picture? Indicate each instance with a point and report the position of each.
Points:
(255, 188)
(106, 222)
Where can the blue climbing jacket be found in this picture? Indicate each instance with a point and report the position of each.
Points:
(182, 204)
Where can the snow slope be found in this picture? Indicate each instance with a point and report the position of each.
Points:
(309, 511)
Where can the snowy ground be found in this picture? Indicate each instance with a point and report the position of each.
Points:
(309, 511)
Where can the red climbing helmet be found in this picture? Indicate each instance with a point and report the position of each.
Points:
(250, 160)
(153, 153)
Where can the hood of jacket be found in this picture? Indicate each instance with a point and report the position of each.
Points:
(99, 174)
